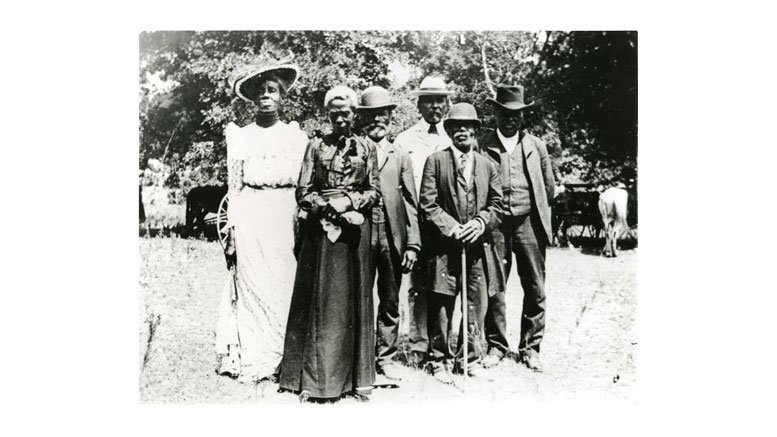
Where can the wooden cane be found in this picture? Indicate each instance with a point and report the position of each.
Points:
(464, 312)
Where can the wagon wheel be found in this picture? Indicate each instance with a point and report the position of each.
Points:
(221, 221)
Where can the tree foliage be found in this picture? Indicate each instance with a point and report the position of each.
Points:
(585, 85)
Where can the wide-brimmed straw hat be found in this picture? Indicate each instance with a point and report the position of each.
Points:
(462, 112)
(258, 71)
(432, 86)
(375, 97)
(509, 97)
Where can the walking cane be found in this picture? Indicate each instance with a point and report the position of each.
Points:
(464, 312)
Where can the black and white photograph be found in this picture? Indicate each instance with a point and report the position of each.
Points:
(397, 218)
(341, 217)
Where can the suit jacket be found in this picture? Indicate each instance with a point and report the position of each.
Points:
(419, 144)
(395, 173)
(539, 172)
(439, 215)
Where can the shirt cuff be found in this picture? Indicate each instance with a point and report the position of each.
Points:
(482, 223)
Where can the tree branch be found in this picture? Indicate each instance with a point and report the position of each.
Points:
(485, 66)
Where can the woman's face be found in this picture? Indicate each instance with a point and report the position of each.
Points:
(341, 116)
(268, 96)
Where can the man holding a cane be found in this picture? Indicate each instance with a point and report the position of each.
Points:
(460, 203)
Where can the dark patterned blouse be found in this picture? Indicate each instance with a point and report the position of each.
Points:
(336, 165)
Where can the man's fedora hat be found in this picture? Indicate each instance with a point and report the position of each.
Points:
(251, 73)
(375, 97)
(462, 112)
(509, 97)
(432, 86)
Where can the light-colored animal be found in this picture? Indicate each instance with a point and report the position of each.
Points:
(613, 203)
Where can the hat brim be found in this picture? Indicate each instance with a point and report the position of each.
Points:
(286, 72)
(390, 106)
(512, 106)
(419, 93)
(474, 121)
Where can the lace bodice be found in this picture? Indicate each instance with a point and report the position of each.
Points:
(264, 157)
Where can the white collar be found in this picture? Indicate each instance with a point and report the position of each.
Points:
(508, 142)
(440, 129)
(383, 143)
(457, 153)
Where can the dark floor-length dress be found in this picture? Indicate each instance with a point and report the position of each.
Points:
(329, 343)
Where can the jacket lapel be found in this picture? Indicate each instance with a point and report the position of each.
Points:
(477, 170)
(448, 173)
(526, 146)
(388, 152)
(493, 146)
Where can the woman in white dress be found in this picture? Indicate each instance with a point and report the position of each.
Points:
(263, 159)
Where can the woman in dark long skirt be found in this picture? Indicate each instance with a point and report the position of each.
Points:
(329, 347)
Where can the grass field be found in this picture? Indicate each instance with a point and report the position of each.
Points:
(589, 349)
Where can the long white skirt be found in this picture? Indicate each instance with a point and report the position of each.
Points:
(255, 301)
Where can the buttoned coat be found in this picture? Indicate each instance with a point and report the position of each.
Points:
(395, 173)
(416, 140)
(439, 215)
(539, 172)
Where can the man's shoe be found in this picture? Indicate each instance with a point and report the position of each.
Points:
(479, 372)
(531, 359)
(491, 360)
(391, 371)
(416, 359)
(442, 373)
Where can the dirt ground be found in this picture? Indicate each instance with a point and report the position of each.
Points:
(589, 350)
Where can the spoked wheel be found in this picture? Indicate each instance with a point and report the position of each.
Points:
(220, 220)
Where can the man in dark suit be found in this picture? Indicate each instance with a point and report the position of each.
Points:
(395, 240)
(461, 203)
(528, 186)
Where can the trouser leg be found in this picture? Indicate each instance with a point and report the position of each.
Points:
(440, 308)
(496, 325)
(418, 337)
(496, 314)
(529, 252)
(389, 279)
(476, 297)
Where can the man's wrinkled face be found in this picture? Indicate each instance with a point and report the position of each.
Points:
(432, 108)
(508, 122)
(462, 134)
(268, 96)
(375, 122)
(341, 116)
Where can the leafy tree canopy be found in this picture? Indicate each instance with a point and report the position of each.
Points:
(584, 83)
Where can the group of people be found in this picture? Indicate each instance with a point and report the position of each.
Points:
(366, 209)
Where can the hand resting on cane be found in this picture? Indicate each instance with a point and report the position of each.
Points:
(469, 232)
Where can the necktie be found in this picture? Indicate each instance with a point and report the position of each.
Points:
(433, 129)
(462, 169)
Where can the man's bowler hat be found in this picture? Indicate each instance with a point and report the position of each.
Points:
(462, 112)
(375, 97)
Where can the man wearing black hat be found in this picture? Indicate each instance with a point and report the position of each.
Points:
(461, 203)
(395, 240)
(528, 186)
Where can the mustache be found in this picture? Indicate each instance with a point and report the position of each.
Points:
(375, 125)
